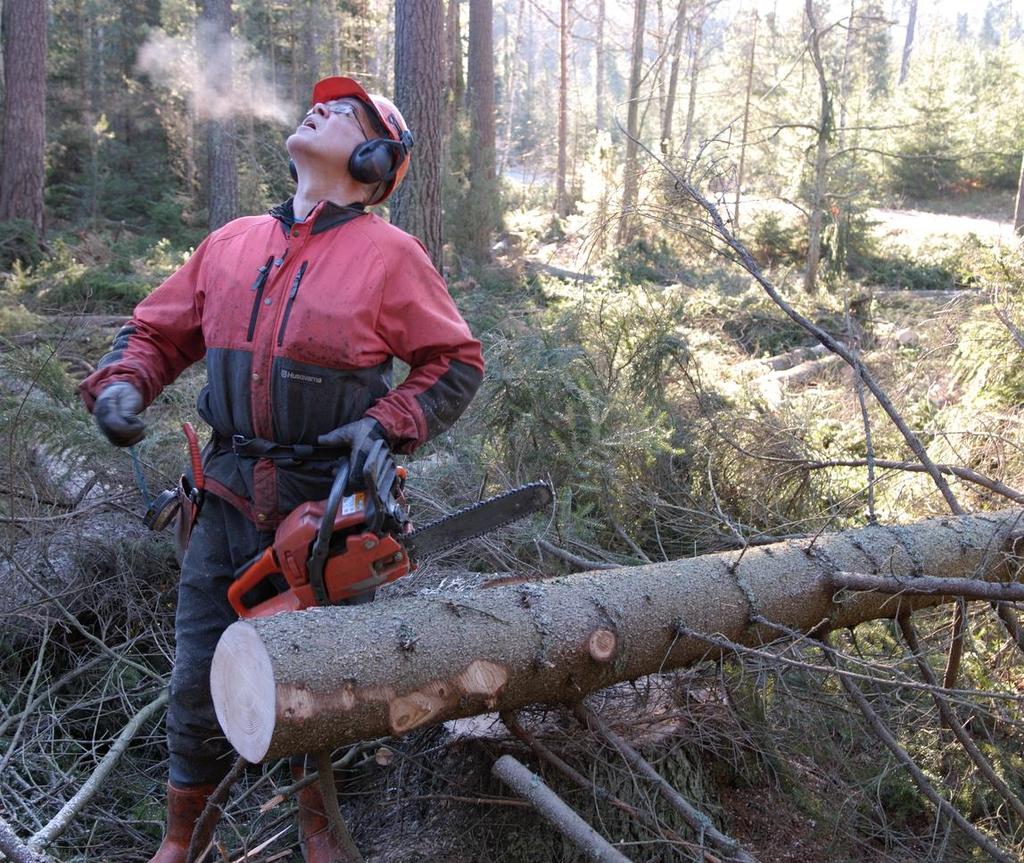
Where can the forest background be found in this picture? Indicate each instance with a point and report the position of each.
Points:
(868, 155)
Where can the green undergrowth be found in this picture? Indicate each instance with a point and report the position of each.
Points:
(93, 271)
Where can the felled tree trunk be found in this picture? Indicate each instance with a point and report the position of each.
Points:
(328, 676)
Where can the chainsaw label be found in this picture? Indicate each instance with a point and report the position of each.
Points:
(353, 503)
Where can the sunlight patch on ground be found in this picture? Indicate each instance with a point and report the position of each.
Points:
(917, 227)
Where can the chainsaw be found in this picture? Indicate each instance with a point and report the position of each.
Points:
(334, 550)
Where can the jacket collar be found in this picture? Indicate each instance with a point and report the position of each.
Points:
(326, 215)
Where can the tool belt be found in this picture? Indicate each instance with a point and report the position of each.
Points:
(257, 447)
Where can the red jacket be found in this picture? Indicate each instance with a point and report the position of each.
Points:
(299, 324)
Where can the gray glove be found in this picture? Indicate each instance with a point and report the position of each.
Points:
(359, 437)
(117, 412)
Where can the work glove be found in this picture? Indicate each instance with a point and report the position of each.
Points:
(360, 437)
(117, 412)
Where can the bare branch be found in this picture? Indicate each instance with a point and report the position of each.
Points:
(951, 721)
(573, 559)
(964, 473)
(17, 851)
(698, 821)
(204, 826)
(555, 811)
(916, 773)
(71, 809)
(970, 588)
(329, 792)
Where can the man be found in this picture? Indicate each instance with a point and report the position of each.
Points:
(299, 314)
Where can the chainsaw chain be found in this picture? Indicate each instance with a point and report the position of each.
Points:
(435, 525)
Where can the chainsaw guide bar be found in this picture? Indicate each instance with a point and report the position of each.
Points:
(477, 519)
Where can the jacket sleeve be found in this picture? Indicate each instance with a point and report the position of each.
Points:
(163, 337)
(422, 327)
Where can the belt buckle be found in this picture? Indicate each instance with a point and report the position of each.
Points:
(239, 442)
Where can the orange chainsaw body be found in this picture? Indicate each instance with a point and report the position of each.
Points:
(365, 562)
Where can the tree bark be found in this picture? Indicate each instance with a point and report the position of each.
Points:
(330, 676)
(456, 80)
(214, 36)
(310, 69)
(908, 42)
(746, 126)
(599, 62)
(22, 173)
(1018, 212)
(691, 103)
(482, 199)
(419, 86)
(512, 87)
(561, 197)
(630, 181)
(673, 81)
(824, 132)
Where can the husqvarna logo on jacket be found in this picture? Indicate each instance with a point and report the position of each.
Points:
(296, 376)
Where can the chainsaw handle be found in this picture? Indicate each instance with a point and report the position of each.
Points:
(264, 566)
(318, 555)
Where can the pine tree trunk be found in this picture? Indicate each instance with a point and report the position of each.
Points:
(1018, 212)
(673, 81)
(561, 197)
(310, 41)
(844, 75)
(599, 73)
(908, 42)
(691, 105)
(329, 676)
(630, 181)
(22, 173)
(824, 130)
(419, 86)
(214, 36)
(746, 126)
(482, 199)
(456, 82)
(512, 87)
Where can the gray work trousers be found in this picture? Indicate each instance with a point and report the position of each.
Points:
(222, 542)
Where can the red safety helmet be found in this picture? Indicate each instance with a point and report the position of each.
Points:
(380, 161)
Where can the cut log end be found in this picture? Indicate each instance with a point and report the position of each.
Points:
(242, 684)
(601, 645)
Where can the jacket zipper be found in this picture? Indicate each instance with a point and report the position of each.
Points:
(291, 299)
(258, 286)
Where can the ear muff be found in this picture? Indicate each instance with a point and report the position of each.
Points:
(378, 160)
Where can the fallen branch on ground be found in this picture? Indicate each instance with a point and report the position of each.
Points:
(698, 821)
(555, 811)
(17, 851)
(952, 722)
(920, 780)
(74, 806)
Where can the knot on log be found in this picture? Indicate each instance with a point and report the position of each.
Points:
(480, 679)
(601, 645)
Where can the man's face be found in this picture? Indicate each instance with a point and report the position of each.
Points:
(329, 133)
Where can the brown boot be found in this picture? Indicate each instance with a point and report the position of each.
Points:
(315, 835)
(184, 806)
